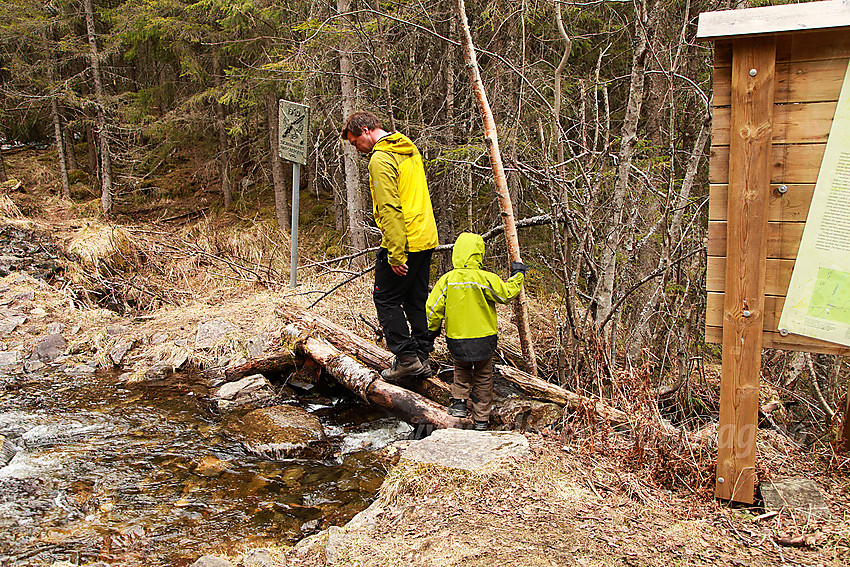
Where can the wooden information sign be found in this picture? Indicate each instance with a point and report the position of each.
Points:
(778, 72)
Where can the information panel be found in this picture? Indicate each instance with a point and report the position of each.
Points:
(818, 301)
(293, 131)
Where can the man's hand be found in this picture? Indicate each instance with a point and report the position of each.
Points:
(399, 270)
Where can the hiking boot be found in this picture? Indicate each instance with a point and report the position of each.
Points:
(425, 361)
(403, 365)
(480, 425)
(457, 408)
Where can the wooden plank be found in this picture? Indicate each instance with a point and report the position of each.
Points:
(805, 46)
(791, 206)
(777, 275)
(772, 339)
(783, 239)
(845, 437)
(773, 19)
(793, 123)
(799, 163)
(772, 310)
(796, 81)
(753, 74)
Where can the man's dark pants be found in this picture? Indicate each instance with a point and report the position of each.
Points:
(400, 300)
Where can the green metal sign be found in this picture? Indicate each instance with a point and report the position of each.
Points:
(293, 131)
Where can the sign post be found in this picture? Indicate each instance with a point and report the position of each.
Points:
(777, 78)
(293, 129)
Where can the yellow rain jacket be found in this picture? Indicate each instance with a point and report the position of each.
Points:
(466, 298)
(400, 200)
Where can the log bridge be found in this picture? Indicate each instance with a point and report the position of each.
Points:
(354, 362)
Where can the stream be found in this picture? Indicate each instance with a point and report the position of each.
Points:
(145, 474)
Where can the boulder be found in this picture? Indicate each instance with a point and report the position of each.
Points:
(7, 451)
(50, 348)
(281, 432)
(11, 323)
(527, 415)
(210, 332)
(801, 496)
(9, 357)
(251, 390)
(119, 349)
(466, 449)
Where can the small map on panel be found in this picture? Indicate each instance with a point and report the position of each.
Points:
(831, 296)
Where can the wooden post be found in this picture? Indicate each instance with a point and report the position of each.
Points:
(846, 428)
(753, 69)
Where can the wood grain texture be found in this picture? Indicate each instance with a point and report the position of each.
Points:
(772, 339)
(799, 163)
(791, 206)
(777, 276)
(783, 239)
(750, 169)
(796, 82)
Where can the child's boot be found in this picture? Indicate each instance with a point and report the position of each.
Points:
(457, 408)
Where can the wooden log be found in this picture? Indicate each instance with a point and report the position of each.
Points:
(550, 392)
(367, 384)
(376, 357)
(267, 365)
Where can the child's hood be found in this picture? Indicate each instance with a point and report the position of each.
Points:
(468, 251)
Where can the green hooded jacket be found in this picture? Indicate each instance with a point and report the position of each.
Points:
(466, 298)
(400, 200)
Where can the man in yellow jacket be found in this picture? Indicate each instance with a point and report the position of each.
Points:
(402, 208)
(466, 298)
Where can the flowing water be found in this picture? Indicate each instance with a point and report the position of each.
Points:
(143, 474)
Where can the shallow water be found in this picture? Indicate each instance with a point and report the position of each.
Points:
(110, 471)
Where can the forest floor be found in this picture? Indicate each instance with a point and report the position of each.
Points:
(582, 497)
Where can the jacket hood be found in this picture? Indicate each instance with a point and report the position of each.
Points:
(468, 251)
(396, 143)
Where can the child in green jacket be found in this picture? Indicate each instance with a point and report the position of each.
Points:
(466, 298)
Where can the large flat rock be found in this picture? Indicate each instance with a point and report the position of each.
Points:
(799, 495)
(466, 449)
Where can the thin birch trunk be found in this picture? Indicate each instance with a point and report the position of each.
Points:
(492, 141)
(3, 177)
(106, 190)
(276, 164)
(608, 261)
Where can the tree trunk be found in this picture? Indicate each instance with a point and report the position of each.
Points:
(57, 130)
(354, 198)
(223, 143)
(385, 70)
(70, 152)
(492, 141)
(444, 212)
(60, 148)
(276, 164)
(608, 260)
(3, 177)
(106, 190)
